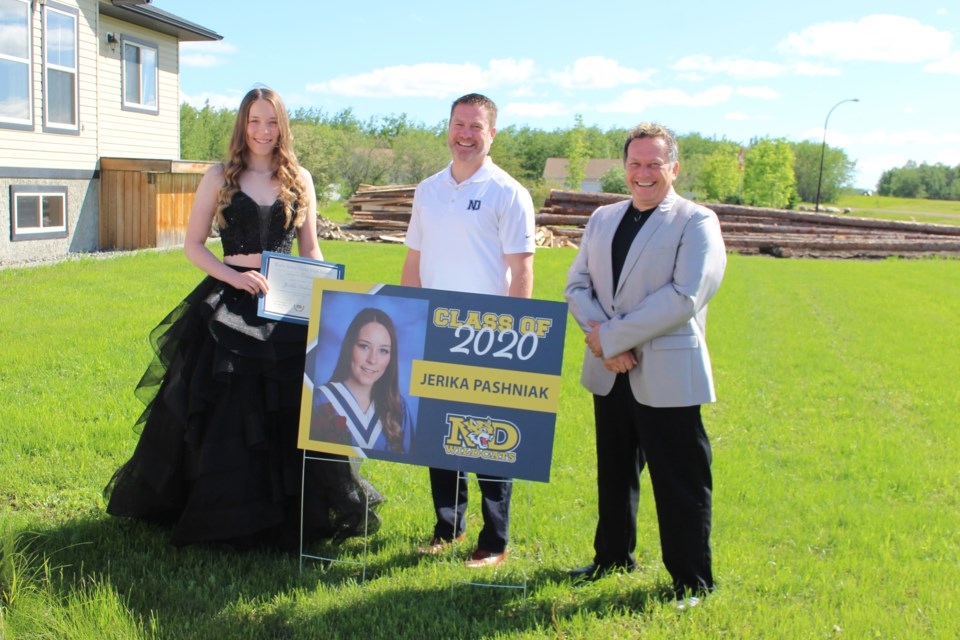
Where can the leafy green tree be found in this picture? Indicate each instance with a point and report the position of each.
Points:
(577, 154)
(320, 151)
(694, 151)
(838, 171)
(523, 151)
(507, 152)
(339, 149)
(391, 126)
(906, 182)
(418, 154)
(768, 179)
(600, 145)
(721, 176)
(935, 181)
(614, 138)
(205, 133)
(884, 184)
(364, 162)
(614, 180)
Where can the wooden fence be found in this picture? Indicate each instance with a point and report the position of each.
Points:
(146, 203)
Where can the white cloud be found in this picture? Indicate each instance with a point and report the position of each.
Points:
(763, 93)
(597, 72)
(434, 80)
(12, 36)
(205, 54)
(835, 138)
(536, 109)
(740, 116)
(883, 38)
(522, 92)
(639, 100)
(873, 166)
(950, 64)
(510, 71)
(216, 100)
(693, 66)
(738, 68)
(202, 60)
(876, 165)
(216, 46)
(949, 157)
(916, 136)
(814, 69)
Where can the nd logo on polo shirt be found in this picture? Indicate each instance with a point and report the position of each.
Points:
(473, 205)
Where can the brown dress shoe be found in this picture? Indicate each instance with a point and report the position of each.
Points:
(438, 545)
(481, 558)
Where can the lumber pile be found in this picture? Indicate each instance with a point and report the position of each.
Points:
(382, 213)
(378, 210)
(777, 232)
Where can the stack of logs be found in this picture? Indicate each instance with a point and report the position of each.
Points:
(382, 213)
(777, 232)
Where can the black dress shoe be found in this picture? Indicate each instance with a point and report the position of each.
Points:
(595, 571)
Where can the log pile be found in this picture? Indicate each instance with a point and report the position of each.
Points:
(381, 210)
(382, 213)
(751, 230)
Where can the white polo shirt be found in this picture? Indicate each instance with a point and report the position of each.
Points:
(463, 231)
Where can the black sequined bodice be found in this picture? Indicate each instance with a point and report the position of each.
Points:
(252, 228)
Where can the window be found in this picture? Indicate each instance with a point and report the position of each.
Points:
(140, 71)
(60, 68)
(15, 99)
(38, 212)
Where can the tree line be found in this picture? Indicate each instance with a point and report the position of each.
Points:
(932, 181)
(342, 151)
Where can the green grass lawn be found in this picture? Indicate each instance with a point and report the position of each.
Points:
(910, 209)
(337, 212)
(837, 501)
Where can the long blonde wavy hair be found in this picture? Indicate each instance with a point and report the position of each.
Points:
(286, 169)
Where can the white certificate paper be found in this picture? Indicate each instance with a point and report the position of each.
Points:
(290, 279)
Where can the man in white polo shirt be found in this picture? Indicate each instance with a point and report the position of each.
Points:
(471, 230)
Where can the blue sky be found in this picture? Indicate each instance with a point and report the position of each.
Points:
(734, 70)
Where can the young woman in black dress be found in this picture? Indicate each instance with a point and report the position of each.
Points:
(217, 457)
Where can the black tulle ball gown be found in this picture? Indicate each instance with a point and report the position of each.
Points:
(217, 458)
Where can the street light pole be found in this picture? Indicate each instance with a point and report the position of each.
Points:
(823, 147)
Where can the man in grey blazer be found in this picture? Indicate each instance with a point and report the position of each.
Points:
(639, 288)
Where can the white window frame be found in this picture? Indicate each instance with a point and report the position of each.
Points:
(40, 193)
(141, 73)
(7, 121)
(73, 69)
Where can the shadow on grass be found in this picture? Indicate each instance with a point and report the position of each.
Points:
(202, 592)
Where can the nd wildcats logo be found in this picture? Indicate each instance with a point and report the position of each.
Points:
(472, 437)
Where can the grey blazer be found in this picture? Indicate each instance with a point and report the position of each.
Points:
(659, 310)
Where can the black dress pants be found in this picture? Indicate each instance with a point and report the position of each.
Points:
(449, 489)
(672, 444)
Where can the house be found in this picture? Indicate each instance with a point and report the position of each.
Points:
(80, 80)
(555, 173)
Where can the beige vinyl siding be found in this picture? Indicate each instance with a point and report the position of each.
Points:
(39, 149)
(130, 134)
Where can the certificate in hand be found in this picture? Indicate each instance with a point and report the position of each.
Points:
(290, 279)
